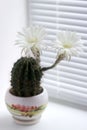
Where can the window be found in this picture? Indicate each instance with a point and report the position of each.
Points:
(68, 80)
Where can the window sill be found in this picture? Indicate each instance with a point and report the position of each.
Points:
(56, 116)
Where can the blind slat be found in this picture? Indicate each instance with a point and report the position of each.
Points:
(60, 20)
(74, 3)
(70, 80)
(61, 14)
(79, 10)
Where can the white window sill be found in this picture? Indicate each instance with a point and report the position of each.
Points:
(55, 117)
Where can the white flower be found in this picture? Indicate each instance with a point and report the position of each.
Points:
(31, 37)
(69, 43)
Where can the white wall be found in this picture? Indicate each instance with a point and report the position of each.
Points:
(12, 19)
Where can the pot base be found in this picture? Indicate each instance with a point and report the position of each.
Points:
(27, 122)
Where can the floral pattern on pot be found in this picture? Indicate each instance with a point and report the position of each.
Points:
(22, 110)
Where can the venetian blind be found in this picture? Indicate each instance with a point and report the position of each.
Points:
(69, 79)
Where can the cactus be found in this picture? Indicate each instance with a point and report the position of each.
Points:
(26, 75)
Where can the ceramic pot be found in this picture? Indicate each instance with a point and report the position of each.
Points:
(26, 110)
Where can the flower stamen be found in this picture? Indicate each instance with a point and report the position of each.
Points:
(67, 45)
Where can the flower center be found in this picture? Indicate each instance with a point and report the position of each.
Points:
(33, 40)
(67, 45)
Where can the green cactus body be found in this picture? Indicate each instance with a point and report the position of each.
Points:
(26, 75)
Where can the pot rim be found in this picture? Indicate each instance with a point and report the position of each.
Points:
(44, 90)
